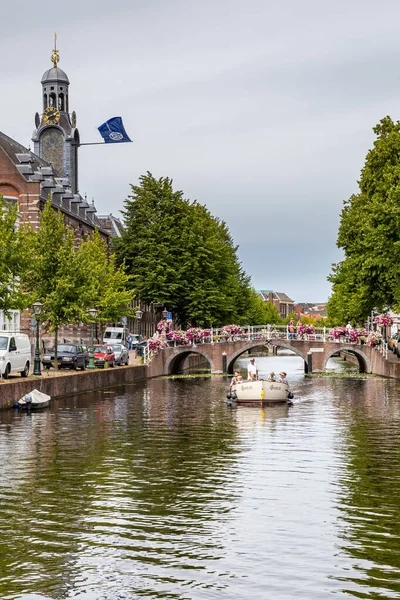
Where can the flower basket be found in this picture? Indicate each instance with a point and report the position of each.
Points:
(195, 334)
(164, 326)
(179, 337)
(338, 332)
(374, 339)
(384, 320)
(156, 343)
(304, 329)
(229, 331)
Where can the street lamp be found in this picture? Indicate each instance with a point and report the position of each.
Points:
(139, 315)
(164, 314)
(37, 308)
(93, 312)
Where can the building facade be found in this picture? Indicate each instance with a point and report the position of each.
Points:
(281, 301)
(50, 173)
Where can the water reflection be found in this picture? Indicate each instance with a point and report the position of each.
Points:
(163, 491)
(370, 487)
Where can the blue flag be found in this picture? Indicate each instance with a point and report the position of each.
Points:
(113, 131)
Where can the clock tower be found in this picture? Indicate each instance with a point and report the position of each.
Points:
(56, 138)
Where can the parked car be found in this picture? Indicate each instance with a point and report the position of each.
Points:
(69, 356)
(103, 355)
(392, 342)
(15, 354)
(137, 340)
(121, 354)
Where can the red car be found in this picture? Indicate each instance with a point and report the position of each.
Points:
(103, 355)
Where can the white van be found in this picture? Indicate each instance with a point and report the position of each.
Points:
(15, 354)
(115, 335)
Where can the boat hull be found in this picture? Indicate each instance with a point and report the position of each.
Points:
(268, 392)
(37, 401)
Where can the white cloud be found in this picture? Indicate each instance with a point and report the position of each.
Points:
(262, 110)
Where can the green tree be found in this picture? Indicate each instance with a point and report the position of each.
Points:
(14, 259)
(55, 276)
(106, 284)
(369, 275)
(181, 256)
(259, 312)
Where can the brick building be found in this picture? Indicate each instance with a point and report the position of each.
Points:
(281, 301)
(50, 172)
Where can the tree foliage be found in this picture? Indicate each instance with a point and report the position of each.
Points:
(260, 312)
(369, 275)
(69, 280)
(14, 259)
(55, 277)
(106, 284)
(181, 256)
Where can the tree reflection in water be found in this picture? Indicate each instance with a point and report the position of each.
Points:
(111, 477)
(370, 487)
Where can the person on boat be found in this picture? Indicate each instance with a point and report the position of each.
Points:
(282, 378)
(237, 378)
(252, 372)
(272, 376)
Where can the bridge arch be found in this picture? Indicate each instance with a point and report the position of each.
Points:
(364, 362)
(253, 344)
(178, 357)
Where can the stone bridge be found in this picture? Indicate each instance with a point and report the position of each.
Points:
(222, 355)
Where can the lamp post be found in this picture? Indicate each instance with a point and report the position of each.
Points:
(37, 308)
(164, 314)
(93, 312)
(139, 315)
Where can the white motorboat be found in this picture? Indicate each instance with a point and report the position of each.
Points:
(260, 391)
(33, 401)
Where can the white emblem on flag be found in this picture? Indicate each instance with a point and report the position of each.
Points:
(115, 135)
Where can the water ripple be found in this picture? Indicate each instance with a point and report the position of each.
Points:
(162, 491)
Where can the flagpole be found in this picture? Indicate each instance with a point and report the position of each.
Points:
(101, 143)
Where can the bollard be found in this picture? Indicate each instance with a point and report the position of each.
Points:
(224, 363)
(309, 362)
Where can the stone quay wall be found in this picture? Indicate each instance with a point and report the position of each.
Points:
(72, 383)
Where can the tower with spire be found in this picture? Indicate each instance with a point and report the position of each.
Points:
(56, 138)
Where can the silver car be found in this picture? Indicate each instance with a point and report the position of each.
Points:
(121, 354)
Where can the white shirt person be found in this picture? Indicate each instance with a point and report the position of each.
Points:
(252, 373)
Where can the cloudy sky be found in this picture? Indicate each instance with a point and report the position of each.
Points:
(261, 110)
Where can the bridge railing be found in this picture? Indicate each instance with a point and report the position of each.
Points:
(383, 349)
(259, 333)
(247, 333)
(270, 332)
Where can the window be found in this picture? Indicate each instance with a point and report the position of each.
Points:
(66, 348)
(45, 101)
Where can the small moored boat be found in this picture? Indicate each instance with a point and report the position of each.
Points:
(33, 401)
(248, 392)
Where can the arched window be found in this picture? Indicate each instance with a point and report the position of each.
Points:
(52, 99)
(61, 102)
(44, 101)
(66, 101)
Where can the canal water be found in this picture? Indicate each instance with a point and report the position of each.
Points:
(161, 490)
